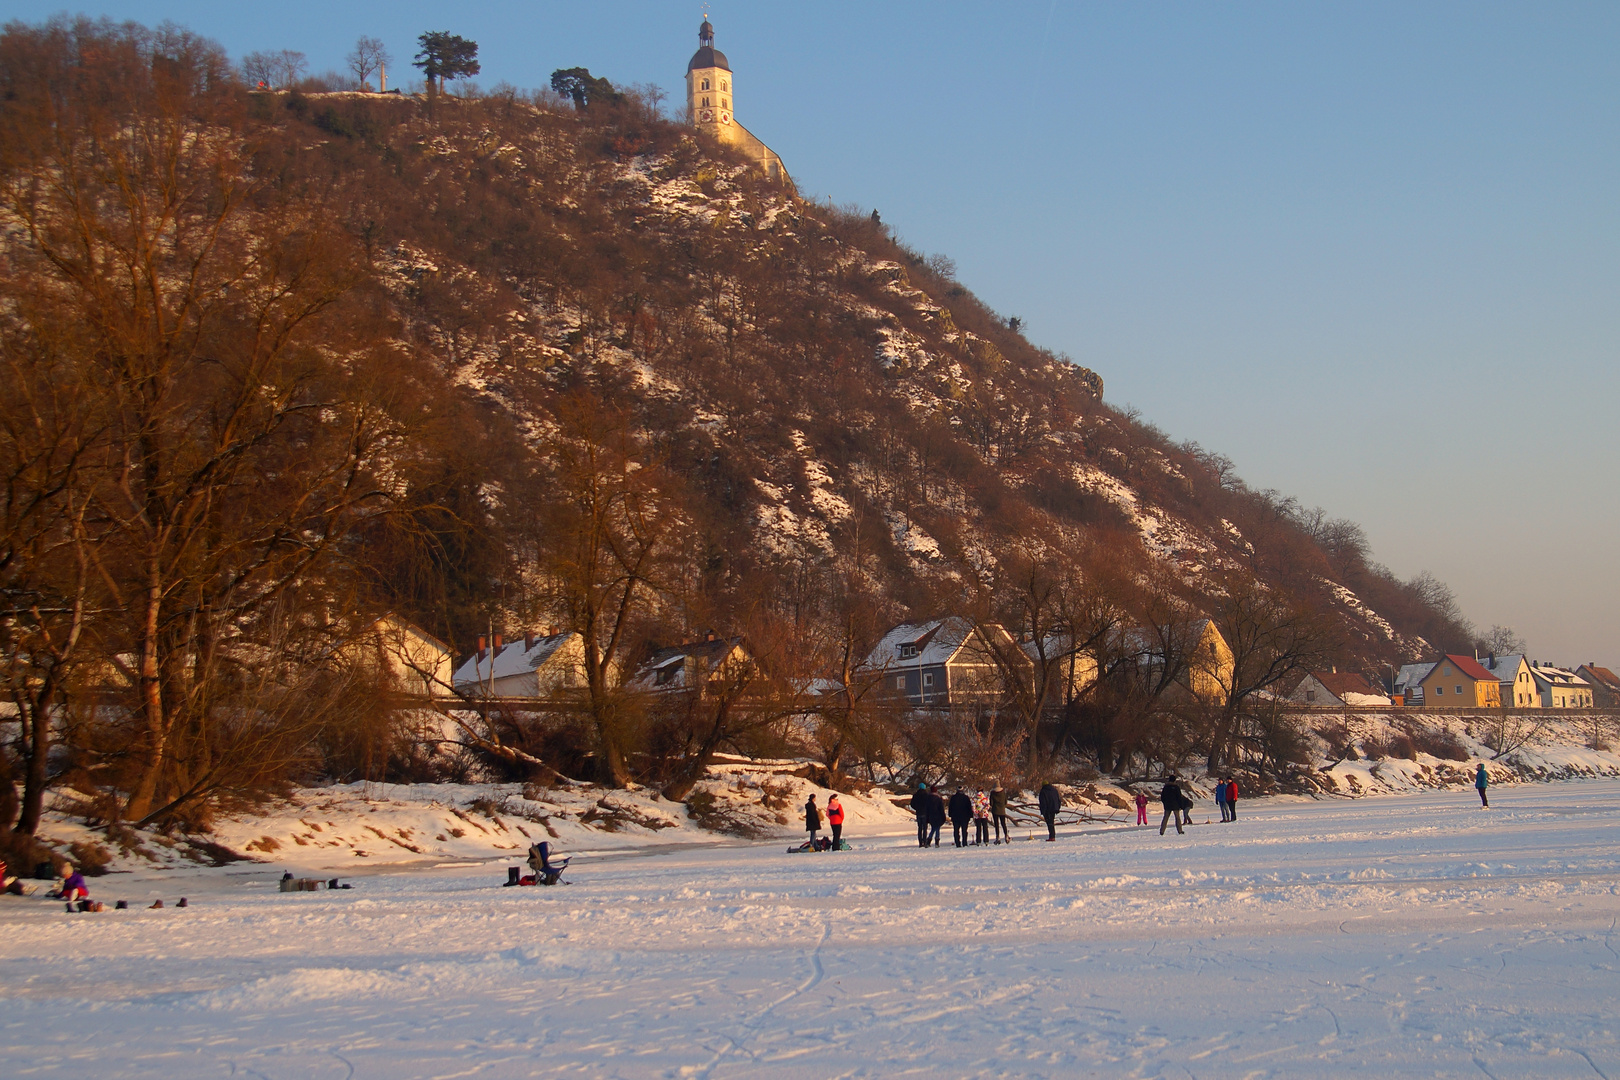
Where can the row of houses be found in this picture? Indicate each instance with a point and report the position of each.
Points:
(953, 660)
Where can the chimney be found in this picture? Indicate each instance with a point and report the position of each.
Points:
(552, 631)
(482, 641)
(528, 642)
(497, 643)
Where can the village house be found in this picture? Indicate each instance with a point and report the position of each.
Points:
(1208, 668)
(1517, 685)
(1337, 690)
(943, 662)
(531, 667)
(1605, 685)
(1408, 683)
(411, 660)
(1560, 688)
(695, 665)
(1459, 682)
(1075, 670)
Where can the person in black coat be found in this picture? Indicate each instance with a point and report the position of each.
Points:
(812, 818)
(961, 816)
(936, 815)
(919, 807)
(998, 815)
(1174, 802)
(1051, 802)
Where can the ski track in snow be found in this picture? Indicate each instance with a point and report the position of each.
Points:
(1394, 936)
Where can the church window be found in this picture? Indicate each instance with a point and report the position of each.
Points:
(705, 103)
(725, 86)
(725, 103)
(705, 84)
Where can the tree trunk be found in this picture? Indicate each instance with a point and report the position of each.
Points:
(39, 750)
(140, 799)
(8, 796)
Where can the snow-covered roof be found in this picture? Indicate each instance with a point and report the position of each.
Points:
(1556, 676)
(1504, 667)
(935, 641)
(705, 659)
(512, 658)
(1345, 685)
(1411, 675)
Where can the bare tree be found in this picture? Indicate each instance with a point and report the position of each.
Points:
(279, 69)
(368, 57)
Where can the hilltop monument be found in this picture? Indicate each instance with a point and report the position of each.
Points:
(710, 103)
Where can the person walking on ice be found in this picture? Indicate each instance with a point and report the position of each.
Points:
(1173, 802)
(998, 815)
(1141, 808)
(1050, 802)
(812, 818)
(1480, 783)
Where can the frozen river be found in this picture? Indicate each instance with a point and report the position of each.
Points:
(1400, 936)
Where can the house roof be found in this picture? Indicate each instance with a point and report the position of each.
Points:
(1469, 668)
(937, 641)
(1340, 683)
(1504, 667)
(1556, 676)
(513, 658)
(1412, 675)
(707, 656)
(1600, 676)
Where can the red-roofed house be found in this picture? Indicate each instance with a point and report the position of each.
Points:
(1337, 690)
(1459, 682)
(1605, 685)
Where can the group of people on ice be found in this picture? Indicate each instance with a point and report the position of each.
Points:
(984, 812)
(1178, 804)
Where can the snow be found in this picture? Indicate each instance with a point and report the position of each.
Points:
(1403, 936)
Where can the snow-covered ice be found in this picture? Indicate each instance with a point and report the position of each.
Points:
(1408, 935)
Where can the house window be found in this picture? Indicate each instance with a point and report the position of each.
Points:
(1439, 690)
(666, 675)
(908, 650)
(928, 679)
(900, 682)
(1310, 695)
(1444, 671)
(1459, 689)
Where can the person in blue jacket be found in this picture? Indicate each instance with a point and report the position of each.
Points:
(1480, 782)
(1220, 799)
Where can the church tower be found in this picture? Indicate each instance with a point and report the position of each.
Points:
(708, 84)
(710, 104)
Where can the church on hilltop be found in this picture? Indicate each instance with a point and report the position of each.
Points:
(711, 104)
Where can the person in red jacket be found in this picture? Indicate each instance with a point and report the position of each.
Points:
(1231, 798)
(835, 818)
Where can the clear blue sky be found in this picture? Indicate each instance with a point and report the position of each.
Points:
(1370, 251)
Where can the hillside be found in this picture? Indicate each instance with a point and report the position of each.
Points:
(281, 364)
(815, 382)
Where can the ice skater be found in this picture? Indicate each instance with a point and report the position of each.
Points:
(1481, 781)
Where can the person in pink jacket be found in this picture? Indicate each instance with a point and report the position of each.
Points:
(1141, 808)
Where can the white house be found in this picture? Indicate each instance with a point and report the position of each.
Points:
(1337, 690)
(531, 667)
(1409, 681)
(1560, 688)
(415, 661)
